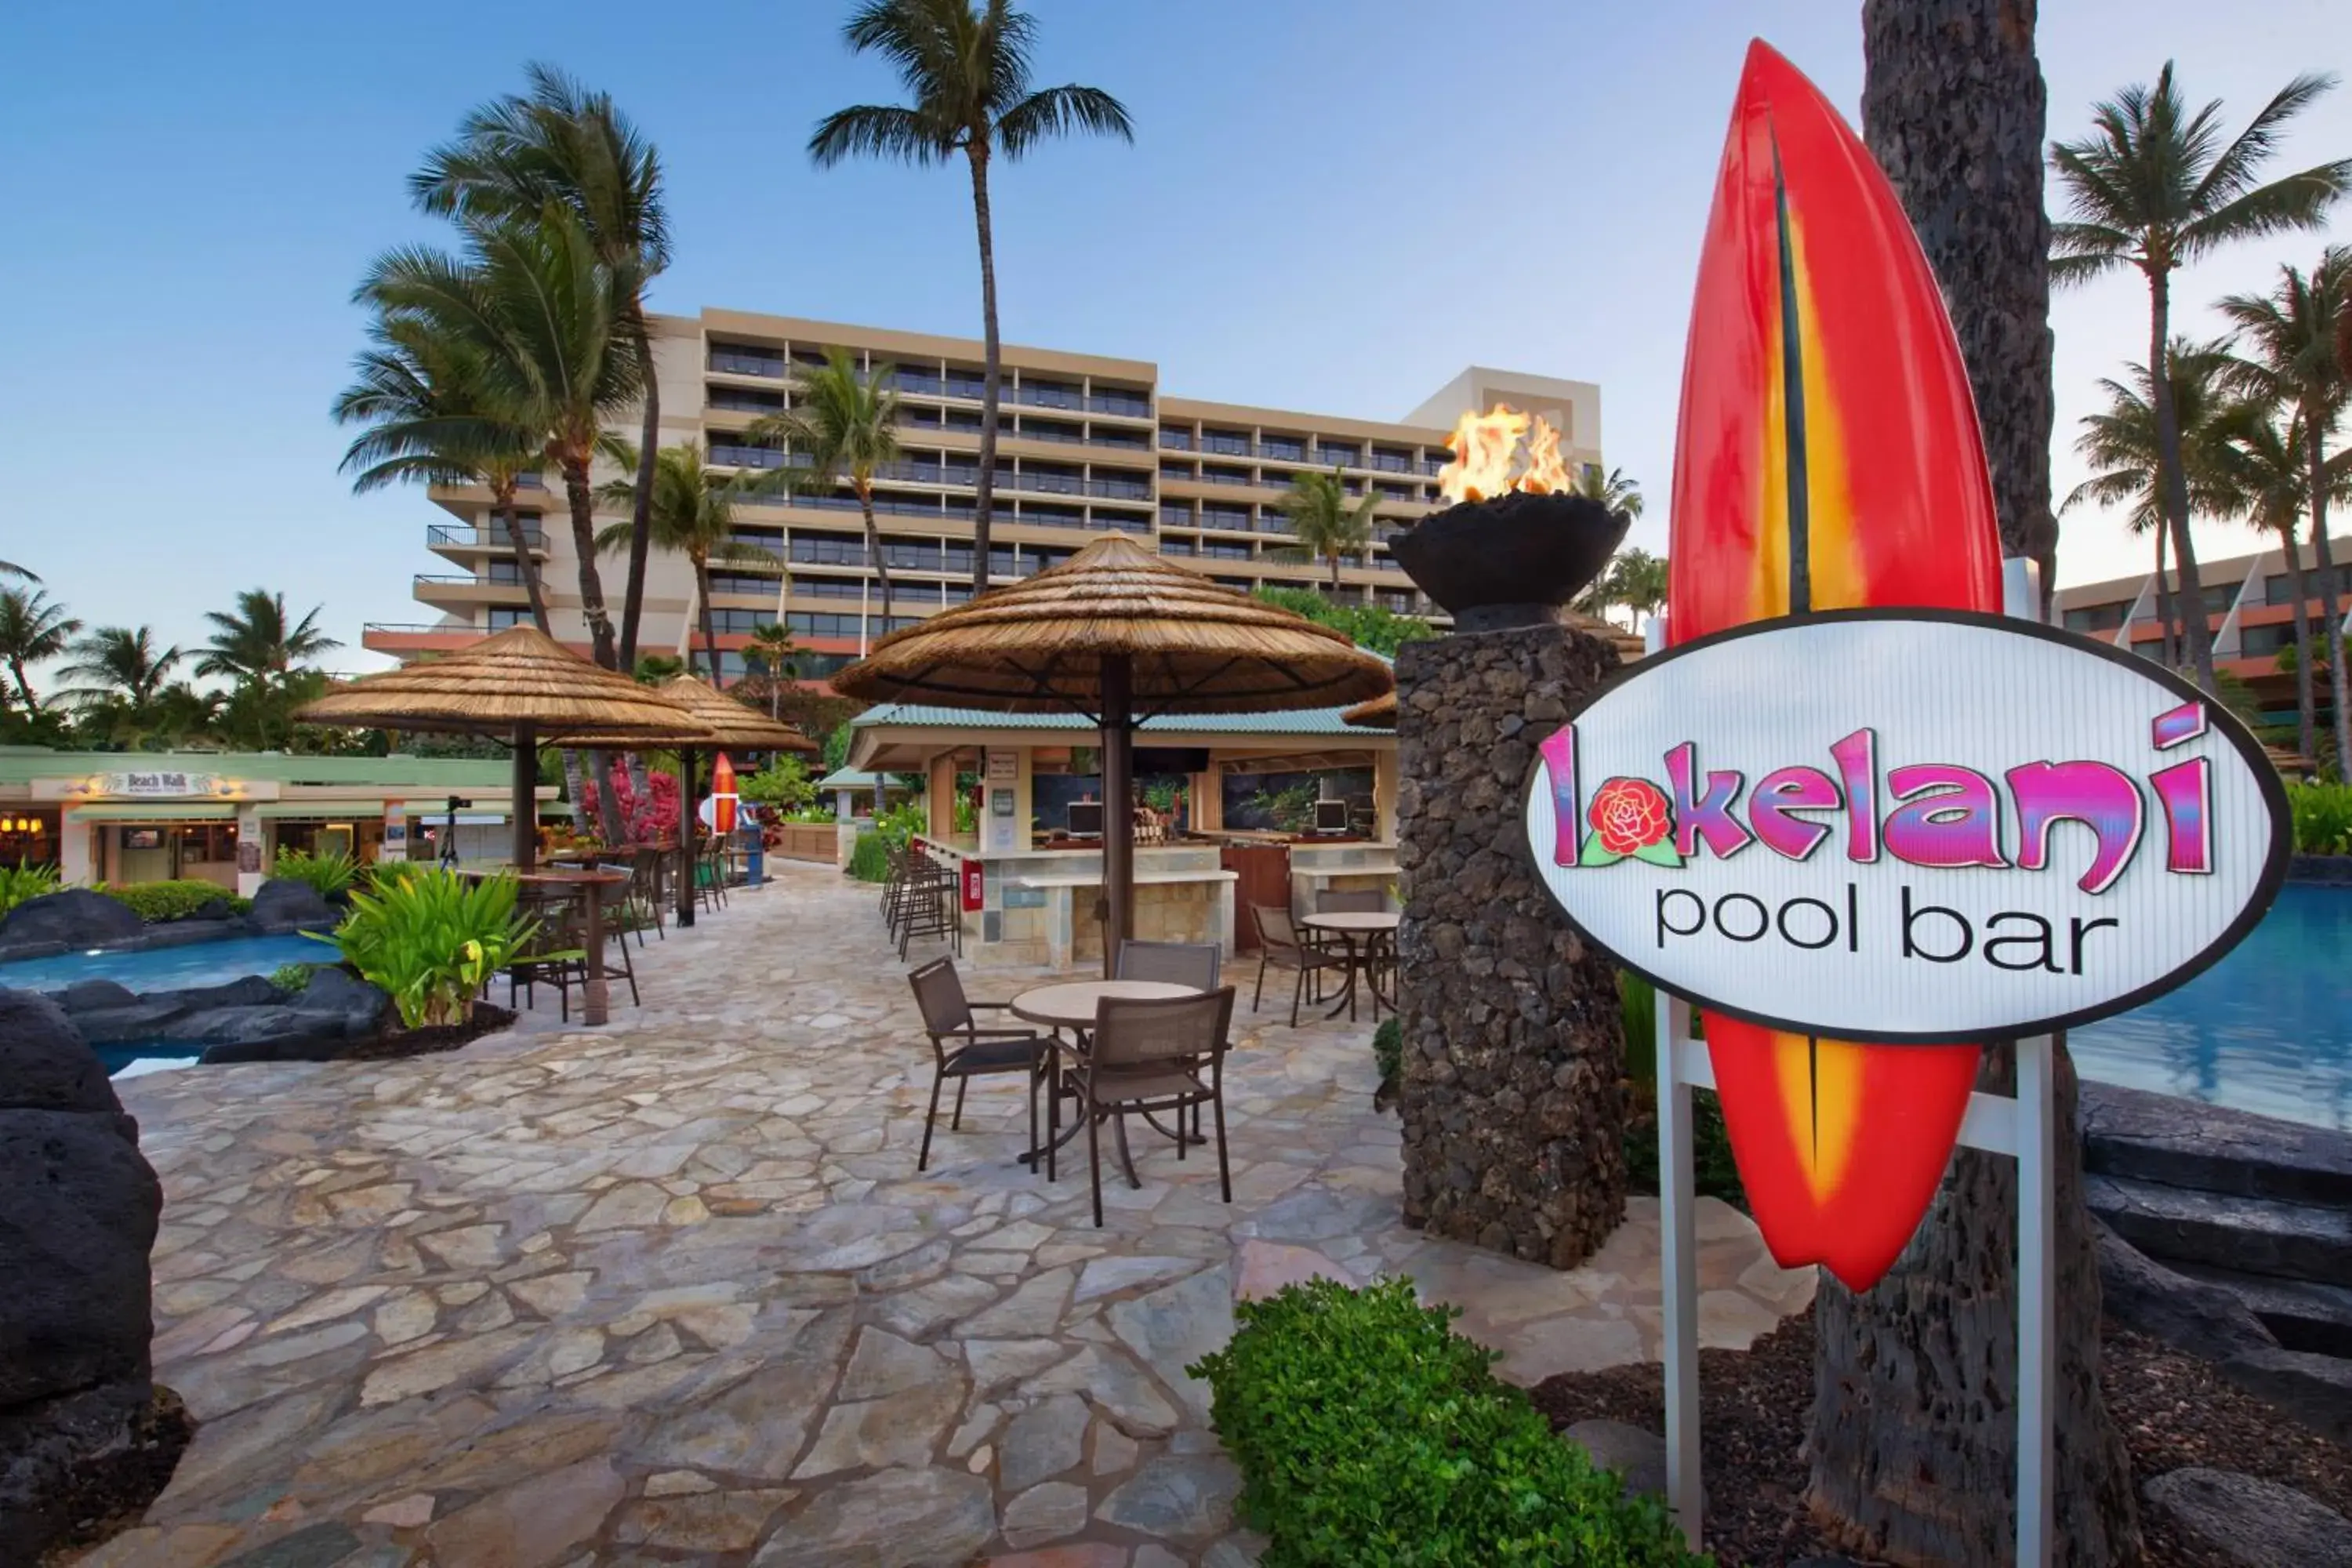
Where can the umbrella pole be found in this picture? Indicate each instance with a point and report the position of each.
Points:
(1118, 816)
(525, 786)
(686, 824)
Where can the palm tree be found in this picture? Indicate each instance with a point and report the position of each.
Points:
(1636, 580)
(2153, 187)
(1328, 526)
(841, 424)
(1612, 489)
(967, 70)
(431, 420)
(2290, 334)
(778, 657)
(257, 644)
(562, 144)
(693, 516)
(2125, 454)
(116, 665)
(545, 320)
(33, 628)
(10, 569)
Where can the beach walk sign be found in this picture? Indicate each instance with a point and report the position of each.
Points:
(1907, 825)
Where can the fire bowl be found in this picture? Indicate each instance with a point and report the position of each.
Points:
(1513, 561)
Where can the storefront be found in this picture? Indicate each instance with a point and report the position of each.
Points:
(222, 817)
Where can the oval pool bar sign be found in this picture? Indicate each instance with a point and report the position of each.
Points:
(1908, 826)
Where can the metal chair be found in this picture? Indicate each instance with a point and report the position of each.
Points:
(1154, 1056)
(1278, 933)
(1193, 964)
(962, 1050)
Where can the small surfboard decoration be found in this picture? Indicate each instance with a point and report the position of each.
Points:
(1828, 458)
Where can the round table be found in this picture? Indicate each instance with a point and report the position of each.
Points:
(1360, 930)
(1071, 1005)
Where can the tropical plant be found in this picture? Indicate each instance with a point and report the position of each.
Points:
(869, 857)
(775, 655)
(1612, 489)
(784, 783)
(838, 743)
(693, 515)
(1367, 1431)
(2154, 187)
(25, 575)
(428, 938)
(1327, 527)
(2126, 452)
(2322, 815)
(432, 418)
(1948, 88)
(119, 680)
(292, 979)
(563, 145)
(844, 425)
(1635, 581)
(258, 641)
(184, 898)
(2291, 363)
(900, 824)
(33, 628)
(1290, 810)
(20, 883)
(653, 669)
(1373, 627)
(966, 69)
(330, 875)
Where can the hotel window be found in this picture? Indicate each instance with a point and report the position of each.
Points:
(746, 359)
(743, 399)
(2253, 642)
(1391, 461)
(504, 572)
(1051, 514)
(1270, 520)
(1232, 517)
(833, 588)
(1115, 436)
(912, 555)
(924, 383)
(1176, 547)
(2279, 588)
(1001, 563)
(1175, 471)
(1231, 443)
(1211, 474)
(741, 583)
(732, 622)
(1245, 584)
(2095, 618)
(1051, 430)
(1224, 552)
(1134, 405)
(1049, 395)
(828, 550)
(502, 617)
(1176, 514)
(1284, 448)
(1328, 453)
(1123, 521)
(1176, 440)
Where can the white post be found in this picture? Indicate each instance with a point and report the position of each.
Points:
(1678, 1269)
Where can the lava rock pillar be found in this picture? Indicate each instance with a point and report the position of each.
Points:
(1513, 1091)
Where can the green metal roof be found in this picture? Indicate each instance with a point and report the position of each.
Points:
(22, 765)
(851, 778)
(158, 811)
(1289, 722)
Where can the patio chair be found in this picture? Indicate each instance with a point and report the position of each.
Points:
(1278, 936)
(646, 891)
(962, 1050)
(557, 933)
(1193, 964)
(1154, 1056)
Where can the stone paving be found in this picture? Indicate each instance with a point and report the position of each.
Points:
(672, 1291)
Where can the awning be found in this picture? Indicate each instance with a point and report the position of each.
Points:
(321, 811)
(158, 811)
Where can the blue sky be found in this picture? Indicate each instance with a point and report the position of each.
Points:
(1332, 205)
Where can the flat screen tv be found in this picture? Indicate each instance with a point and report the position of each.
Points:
(1086, 820)
(142, 839)
(1330, 817)
(1170, 760)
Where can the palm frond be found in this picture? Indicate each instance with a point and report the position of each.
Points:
(2232, 171)
(881, 131)
(2293, 202)
(1060, 112)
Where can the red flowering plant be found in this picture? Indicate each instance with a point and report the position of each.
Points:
(1628, 817)
(651, 821)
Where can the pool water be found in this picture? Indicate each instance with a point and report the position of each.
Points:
(2267, 1029)
(170, 968)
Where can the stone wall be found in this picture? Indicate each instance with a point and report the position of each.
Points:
(1513, 1095)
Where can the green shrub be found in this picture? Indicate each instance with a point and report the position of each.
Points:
(1368, 1433)
(1388, 1048)
(869, 859)
(158, 903)
(292, 979)
(1717, 1173)
(330, 875)
(901, 822)
(429, 938)
(2323, 817)
(18, 883)
(784, 783)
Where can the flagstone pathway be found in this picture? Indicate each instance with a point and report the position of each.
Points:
(672, 1291)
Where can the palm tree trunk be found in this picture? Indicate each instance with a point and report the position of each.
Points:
(23, 686)
(2167, 655)
(992, 371)
(526, 565)
(583, 539)
(1334, 579)
(710, 622)
(2331, 623)
(2305, 711)
(2196, 628)
(633, 596)
(1954, 109)
(864, 489)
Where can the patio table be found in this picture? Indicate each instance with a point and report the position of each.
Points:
(590, 886)
(1070, 1004)
(1361, 931)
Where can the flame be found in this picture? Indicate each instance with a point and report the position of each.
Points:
(1484, 447)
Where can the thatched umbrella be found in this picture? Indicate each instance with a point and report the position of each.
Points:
(1120, 634)
(720, 723)
(521, 684)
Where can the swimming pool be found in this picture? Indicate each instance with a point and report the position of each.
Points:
(2268, 1029)
(169, 968)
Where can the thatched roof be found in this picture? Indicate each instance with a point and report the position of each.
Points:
(520, 676)
(719, 722)
(1381, 712)
(1196, 647)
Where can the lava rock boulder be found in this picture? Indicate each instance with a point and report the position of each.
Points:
(283, 904)
(75, 917)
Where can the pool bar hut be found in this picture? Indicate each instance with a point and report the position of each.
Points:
(1236, 809)
(222, 817)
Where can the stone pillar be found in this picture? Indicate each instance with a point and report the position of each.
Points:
(1513, 1095)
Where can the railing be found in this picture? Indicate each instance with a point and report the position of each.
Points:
(743, 400)
(482, 538)
(411, 628)
(467, 579)
(729, 363)
(1389, 462)
(1176, 440)
(1126, 407)
(1212, 476)
(749, 457)
(1226, 446)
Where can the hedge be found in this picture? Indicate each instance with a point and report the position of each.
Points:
(1370, 1434)
(158, 902)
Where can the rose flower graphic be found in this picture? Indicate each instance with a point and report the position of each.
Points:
(1629, 816)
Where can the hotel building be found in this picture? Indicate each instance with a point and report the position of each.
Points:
(2249, 608)
(1086, 444)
